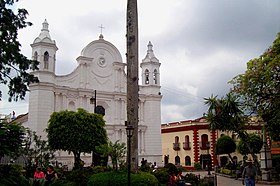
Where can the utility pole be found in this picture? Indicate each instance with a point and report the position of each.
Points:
(132, 77)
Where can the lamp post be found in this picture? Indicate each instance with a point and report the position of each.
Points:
(93, 101)
(129, 131)
(208, 164)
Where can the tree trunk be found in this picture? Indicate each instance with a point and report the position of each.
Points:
(132, 78)
(77, 160)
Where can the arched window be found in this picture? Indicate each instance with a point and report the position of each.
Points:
(147, 76)
(176, 144)
(187, 143)
(46, 60)
(187, 138)
(177, 139)
(166, 159)
(204, 141)
(35, 56)
(188, 161)
(71, 106)
(177, 160)
(155, 76)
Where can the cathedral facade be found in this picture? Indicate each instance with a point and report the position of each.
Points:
(100, 74)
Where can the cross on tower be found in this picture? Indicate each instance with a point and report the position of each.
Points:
(101, 28)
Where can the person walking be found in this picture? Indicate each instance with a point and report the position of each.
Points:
(249, 174)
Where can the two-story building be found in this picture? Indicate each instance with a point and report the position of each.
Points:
(188, 142)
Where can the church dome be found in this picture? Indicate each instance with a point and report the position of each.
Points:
(103, 47)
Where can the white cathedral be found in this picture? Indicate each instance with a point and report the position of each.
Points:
(100, 68)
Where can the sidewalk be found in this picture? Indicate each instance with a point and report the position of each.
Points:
(227, 181)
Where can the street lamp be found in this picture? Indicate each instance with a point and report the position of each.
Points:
(208, 167)
(129, 132)
(93, 101)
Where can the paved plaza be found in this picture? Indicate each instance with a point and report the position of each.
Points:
(224, 181)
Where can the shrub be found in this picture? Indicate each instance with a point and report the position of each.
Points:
(145, 168)
(79, 176)
(144, 179)
(63, 183)
(162, 175)
(14, 180)
(10, 170)
(229, 165)
(98, 169)
(276, 163)
(36, 182)
(171, 168)
(192, 178)
(120, 179)
(11, 175)
(227, 171)
(197, 166)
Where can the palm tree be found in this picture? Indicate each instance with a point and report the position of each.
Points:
(225, 114)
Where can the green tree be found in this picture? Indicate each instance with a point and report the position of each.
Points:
(35, 150)
(11, 137)
(259, 87)
(13, 65)
(254, 141)
(225, 145)
(76, 132)
(116, 151)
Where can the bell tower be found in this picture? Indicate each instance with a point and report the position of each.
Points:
(150, 105)
(41, 97)
(44, 50)
(150, 68)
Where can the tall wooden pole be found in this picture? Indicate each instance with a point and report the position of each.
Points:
(132, 77)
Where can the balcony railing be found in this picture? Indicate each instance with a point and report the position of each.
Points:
(176, 146)
(186, 146)
(204, 145)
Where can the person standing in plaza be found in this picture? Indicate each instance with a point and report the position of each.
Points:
(249, 174)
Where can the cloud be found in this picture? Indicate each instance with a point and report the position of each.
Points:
(201, 44)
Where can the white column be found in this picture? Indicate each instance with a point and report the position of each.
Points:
(141, 110)
(64, 102)
(122, 118)
(143, 142)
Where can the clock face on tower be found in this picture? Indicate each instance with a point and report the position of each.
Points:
(102, 61)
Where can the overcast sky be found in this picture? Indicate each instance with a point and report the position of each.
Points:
(201, 44)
